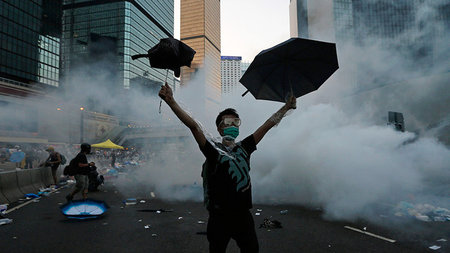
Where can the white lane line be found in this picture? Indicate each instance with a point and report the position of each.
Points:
(370, 234)
(21, 205)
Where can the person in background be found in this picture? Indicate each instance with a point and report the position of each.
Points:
(53, 161)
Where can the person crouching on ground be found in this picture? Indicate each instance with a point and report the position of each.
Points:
(226, 178)
(83, 169)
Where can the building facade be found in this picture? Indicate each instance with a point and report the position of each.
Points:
(231, 72)
(200, 29)
(30, 34)
(108, 33)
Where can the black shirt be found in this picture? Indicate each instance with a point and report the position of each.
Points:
(80, 158)
(226, 179)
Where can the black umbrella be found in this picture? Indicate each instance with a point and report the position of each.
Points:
(169, 53)
(297, 66)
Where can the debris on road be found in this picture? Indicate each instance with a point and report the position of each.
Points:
(5, 221)
(267, 223)
(130, 201)
(147, 226)
(441, 240)
(422, 212)
(283, 211)
(3, 208)
(434, 247)
(155, 210)
(257, 214)
(200, 222)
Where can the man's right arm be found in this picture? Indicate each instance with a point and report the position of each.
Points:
(166, 94)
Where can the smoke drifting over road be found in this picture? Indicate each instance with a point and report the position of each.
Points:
(334, 152)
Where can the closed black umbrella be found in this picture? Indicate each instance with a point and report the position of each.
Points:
(297, 66)
(169, 53)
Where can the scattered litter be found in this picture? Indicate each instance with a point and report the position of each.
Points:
(422, 212)
(154, 235)
(14, 237)
(147, 226)
(60, 203)
(70, 181)
(283, 211)
(121, 207)
(36, 200)
(5, 221)
(365, 228)
(155, 210)
(31, 196)
(139, 220)
(329, 246)
(435, 247)
(180, 218)
(152, 194)
(104, 224)
(200, 222)
(130, 201)
(259, 210)
(3, 208)
(270, 224)
(142, 201)
(257, 214)
(441, 240)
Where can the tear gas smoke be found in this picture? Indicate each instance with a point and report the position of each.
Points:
(334, 151)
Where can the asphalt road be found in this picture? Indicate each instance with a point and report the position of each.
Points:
(40, 227)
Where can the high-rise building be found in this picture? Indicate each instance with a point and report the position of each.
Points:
(30, 34)
(230, 69)
(200, 29)
(108, 33)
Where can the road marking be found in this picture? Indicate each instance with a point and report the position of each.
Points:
(370, 234)
(21, 205)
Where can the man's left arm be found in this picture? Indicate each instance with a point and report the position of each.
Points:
(274, 119)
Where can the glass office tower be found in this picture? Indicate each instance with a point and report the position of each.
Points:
(30, 34)
(111, 32)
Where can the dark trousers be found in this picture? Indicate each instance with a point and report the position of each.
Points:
(238, 226)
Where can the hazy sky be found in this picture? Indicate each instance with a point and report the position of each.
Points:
(249, 26)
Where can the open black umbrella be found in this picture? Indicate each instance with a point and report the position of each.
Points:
(169, 53)
(297, 66)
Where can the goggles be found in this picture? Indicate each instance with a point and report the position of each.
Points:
(231, 121)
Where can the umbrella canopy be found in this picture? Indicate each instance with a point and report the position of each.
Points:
(296, 66)
(17, 157)
(169, 53)
(84, 209)
(107, 144)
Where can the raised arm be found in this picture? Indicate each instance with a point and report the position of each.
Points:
(274, 119)
(167, 95)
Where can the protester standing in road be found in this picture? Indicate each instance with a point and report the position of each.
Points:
(53, 161)
(226, 179)
(83, 169)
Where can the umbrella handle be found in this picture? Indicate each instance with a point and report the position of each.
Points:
(160, 101)
(245, 93)
(134, 57)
